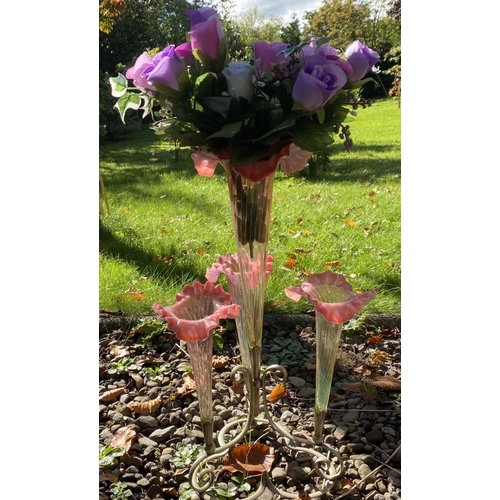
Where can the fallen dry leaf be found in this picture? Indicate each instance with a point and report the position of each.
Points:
(119, 351)
(385, 382)
(123, 438)
(279, 392)
(254, 458)
(332, 263)
(112, 394)
(146, 407)
(311, 364)
(188, 385)
(139, 382)
(219, 362)
(171, 491)
(237, 387)
(108, 477)
(352, 386)
(374, 340)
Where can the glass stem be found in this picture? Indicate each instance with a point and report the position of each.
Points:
(327, 343)
(200, 354)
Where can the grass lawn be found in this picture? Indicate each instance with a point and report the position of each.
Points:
(167, 224)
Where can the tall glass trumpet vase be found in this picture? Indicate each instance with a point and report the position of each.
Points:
(250, 204)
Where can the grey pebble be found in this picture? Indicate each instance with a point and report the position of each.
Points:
(161, 435)
(350, 416)
(278, 474)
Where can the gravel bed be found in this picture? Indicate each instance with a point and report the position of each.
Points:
(163, 434)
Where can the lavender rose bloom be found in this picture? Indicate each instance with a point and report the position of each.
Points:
(206, 31)
(135, 73)
(165, 69)
(361, 59)
(325, 50)
(184, 50)
(317, 82)
(238, 79)
(266, 54)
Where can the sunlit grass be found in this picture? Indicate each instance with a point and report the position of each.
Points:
(167, 224)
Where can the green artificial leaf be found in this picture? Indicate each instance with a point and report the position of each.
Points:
(220, 105)
(320, 112)
(205, 85)
(127, 101)
(324, 39)
(289, 122)
(147, 105)
(242, 154)
(119, 85)
(229, 130)
(311, 136)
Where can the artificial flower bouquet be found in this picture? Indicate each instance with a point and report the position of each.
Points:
(281, 106)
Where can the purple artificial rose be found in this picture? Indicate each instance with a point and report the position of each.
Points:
(361, 59)
(184, 50)
(266, 55)
(135, 73)
(317, 82)
(325, 50)
(206, 31)
(165, 69)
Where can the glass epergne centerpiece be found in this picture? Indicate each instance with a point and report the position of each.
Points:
(199, 307)
(252, 117)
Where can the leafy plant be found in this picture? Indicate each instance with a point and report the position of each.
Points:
(369, 393)
(149, 329)
(119, 491)
(239, 484)
(157, 372)
(288, 352)
(218, 341)
(123, 366)
(186, 492)
(352, 327)
(185, 455)
(108, 456)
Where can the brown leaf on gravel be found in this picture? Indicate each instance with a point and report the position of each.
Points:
(385, 382)
(123, 438)
(139, 382)
(374, 340)
(119, 351)
(279, 392)
(173, 492)
(304, 496)
(146, 407)
(237, 387)
(311, 364)
(257, 457)
(146, 360)
(219, 362)
(108, 477)
(188, 385)
(112, 394)
(352, 386)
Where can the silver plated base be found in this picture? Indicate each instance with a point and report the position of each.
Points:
(327, 460)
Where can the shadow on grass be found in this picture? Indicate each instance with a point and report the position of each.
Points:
(169, 269)
(144, 158)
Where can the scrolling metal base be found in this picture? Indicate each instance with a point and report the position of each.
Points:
(202, 475)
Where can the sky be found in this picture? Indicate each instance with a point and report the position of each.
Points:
(284, 8)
